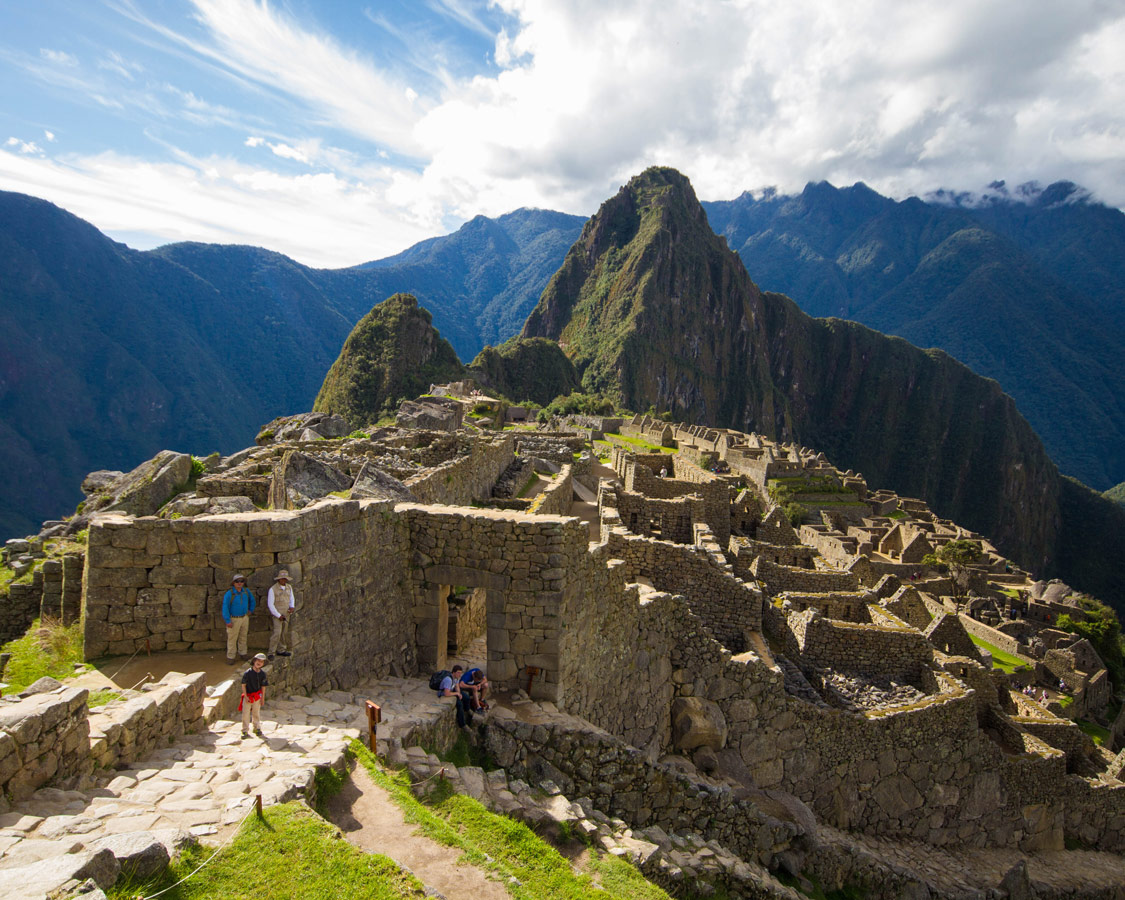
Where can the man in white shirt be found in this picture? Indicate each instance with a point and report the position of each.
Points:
(281, 603)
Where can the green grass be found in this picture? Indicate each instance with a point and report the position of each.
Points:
(1064, 700)
(47, 649)
(102, 697)
(527, 486)
(1099, 734)
(639, 443)
(897, 514)
(292, 853)
(1000, 660)
(505, 847)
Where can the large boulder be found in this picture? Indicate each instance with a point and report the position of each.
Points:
(697, 723)
(301, 478)
(145, 489)
(308, 426)
(374, 482)
(141, 853)
(431, 414)
(60, 874)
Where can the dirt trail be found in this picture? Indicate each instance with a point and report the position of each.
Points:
(371, 820)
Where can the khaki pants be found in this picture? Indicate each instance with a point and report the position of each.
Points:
(279, 637)
(251, 709)
(236, 636)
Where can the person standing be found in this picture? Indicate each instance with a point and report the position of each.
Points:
(238, 603)
(254, 683)
(281, 603)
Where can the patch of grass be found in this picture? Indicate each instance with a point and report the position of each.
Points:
(1064, 700)
(7, 575)
(897, 514)
(1097, 732)
(329, 782)
(48, 648)
(638, 443)
(527, 485)
(102, 697)
(1006, 662)
(291, 852)
(503, 846)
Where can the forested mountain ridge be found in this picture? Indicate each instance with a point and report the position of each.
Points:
(1027, 288)
(655, 310)
(111, 354)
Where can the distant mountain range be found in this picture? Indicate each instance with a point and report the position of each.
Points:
(111, 354)
(655, 311)
(1028, 289)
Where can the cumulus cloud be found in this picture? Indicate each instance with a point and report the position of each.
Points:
(23, 146)
(580, 95)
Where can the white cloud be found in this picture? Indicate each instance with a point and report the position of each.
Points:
(319, 219)
(342, 87)
(115, 62)
(58, 57)
(23, 146)
(49, 135)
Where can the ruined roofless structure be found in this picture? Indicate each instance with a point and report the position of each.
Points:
(699, 628)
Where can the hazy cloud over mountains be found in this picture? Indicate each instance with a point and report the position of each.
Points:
(342, 132)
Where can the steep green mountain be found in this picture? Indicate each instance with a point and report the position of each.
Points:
(1028, 289)
(110, 354)
(654, 309)
(1116, 493)
(394, 353)
(525, 369)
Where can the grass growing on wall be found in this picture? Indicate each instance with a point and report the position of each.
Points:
(1097, 732)
(48, 648)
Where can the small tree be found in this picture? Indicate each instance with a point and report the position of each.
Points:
(955, 559)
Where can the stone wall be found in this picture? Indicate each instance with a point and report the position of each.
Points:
(875, 650)
(19, 605)
(846, 606)
(162, 582)
(43, 737)
(555, 499)
(746, 550)
(1005, 642)
(728, 608)
(468, 619)
(623, 782)
(525, 562)
(774, 578)
(466, 478)
(124, 731)
(671, 519)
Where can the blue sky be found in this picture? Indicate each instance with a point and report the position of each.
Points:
(338, 132)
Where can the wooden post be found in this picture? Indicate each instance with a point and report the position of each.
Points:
(532, 671)
(258, 805)
(374, 717)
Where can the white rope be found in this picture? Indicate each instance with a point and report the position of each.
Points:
(253, 808)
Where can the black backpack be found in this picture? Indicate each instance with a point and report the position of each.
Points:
(437, 678)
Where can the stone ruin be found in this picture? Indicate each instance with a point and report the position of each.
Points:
(778, 689)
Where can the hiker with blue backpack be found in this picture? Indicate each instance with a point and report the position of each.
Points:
(447, 683)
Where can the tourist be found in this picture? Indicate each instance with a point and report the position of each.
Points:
(451, 687)
(475, 685)
(281, 603)
(1043, 696)
(238, 603)
(254, 683)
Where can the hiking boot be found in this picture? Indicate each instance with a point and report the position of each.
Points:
(259, 732)
(284, 653)
(269, 656)
(233, 662)
(245, 735)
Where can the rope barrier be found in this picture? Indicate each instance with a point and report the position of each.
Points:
(219, 849)
(129, 660)
(440, 772)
